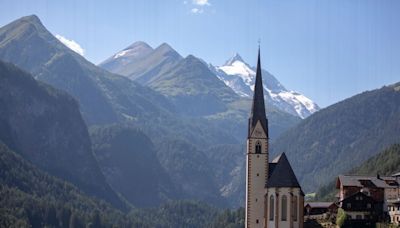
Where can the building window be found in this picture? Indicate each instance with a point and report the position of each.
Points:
(257, 221)
(295, 208)
(258, 147)
(358, 216)
(284, 208)
(348, 205)
(271, 207)
(368, 205)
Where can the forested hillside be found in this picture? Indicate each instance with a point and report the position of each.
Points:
(129, 162)
(31, 198)
(385, 163)
(45, 127)
(357, 128)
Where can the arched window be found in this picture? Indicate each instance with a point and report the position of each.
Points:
(258, 147)
(284, 208)
(295, 208)
(271, 207)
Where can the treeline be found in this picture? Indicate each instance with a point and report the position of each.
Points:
(19, 209)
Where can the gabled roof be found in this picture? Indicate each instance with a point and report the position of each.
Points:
(258, 106)
(281, 175)
(366, 181)
(369, 198)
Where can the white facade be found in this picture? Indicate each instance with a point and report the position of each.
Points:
(284, 207)
(394, 213)
(390, 194)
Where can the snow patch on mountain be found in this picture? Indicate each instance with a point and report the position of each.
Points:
(135, 50)
(240, 76)
(71, 44)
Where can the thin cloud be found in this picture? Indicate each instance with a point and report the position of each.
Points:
(198, 6)
(201, 2)
(71, 44)
(196, 11)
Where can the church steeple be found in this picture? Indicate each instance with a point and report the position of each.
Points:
(258, 107)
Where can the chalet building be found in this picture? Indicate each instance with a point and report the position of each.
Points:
(383, 190)
(360, 210)
(273, 195)
(320, 210)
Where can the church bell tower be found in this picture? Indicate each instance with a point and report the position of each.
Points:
(256, 156)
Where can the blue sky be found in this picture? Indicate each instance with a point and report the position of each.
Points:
(327, 49)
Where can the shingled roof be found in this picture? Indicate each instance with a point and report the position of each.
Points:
(281, 173)
(362, 181)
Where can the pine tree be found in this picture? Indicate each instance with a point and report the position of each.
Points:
(50, 216)
(74, 221)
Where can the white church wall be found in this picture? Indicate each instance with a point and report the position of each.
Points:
(277, 220)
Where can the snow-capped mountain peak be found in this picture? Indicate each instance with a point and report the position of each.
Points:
(234, 58)
(240, 76)
(236, 66)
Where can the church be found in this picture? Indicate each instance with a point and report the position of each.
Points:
(273, 195)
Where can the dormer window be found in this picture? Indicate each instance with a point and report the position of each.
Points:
(258, 147)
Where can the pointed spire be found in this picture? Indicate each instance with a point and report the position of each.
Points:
(258, 107)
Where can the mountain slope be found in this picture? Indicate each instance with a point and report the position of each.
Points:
(131, 54)
(129, 162)
(197, 92)
(141, 63)
(104, 98)
(45, 127)
(386, 163)
(238, 75)
(190, 169)
(193, 88)
(229, 169)
(356, 128)
(27, 195)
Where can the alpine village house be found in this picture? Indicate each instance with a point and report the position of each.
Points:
(274, 197)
